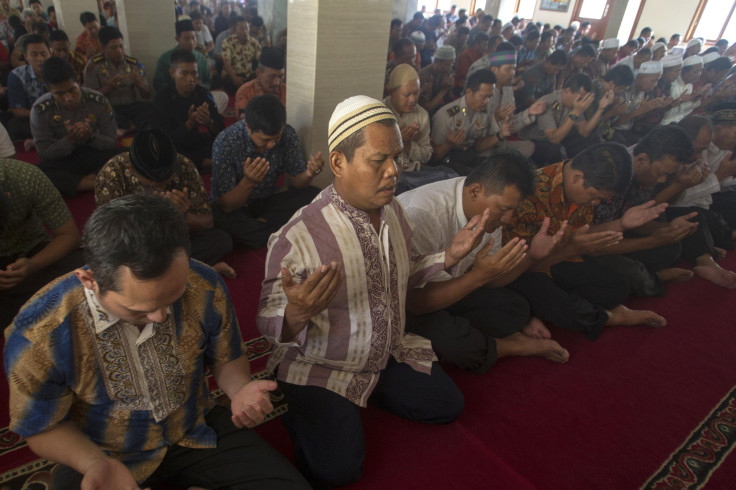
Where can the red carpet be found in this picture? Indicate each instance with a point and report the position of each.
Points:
(638, 408)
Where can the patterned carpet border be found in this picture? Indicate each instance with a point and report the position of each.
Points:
(36, 475)
(692, 464)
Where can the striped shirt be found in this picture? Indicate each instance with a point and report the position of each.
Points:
(345, 347)
(67, 358)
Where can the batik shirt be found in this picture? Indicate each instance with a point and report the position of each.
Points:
(35, 205)
(24, 87)
(345, 347)
(548, 200)
(242, 56)
(118, 178)
(234, 145)
(87, 45)
(68, 359)
(615, 207)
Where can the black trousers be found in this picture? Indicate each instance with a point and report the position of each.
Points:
(135, 114)
(210, 246)
(724, 203)
(575, 295)
(711, 232)
(66, 173)
(19, 128)
(252, 225)
(327, 430)
(241, 460)
(12, 299)
(465, 333)
(547, 153)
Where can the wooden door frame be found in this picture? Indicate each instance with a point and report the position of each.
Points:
(579, 6)
(636, 21)
(696, 20)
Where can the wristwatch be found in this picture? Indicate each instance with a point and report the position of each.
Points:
(576, 117)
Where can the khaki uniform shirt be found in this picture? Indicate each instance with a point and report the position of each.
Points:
(99, 70)
(457, 115)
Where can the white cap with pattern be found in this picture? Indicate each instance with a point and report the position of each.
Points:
(352, 115)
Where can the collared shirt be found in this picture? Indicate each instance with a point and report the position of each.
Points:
(701, 195)
(99, 70)
(88, 45)
(118, 178)
(421, 148)
(503, 97)
(538, 83)
(682, 110)
(457, 115)
(615, 207)
(431, 84)
(69, 359)
(345, 347)
(162, 78)
(633, 99)
(242, 55)
(436, 210)
(79, 63)
(253, 88)
(48, 124)
(552, 118)
(464, 61)
(35, 206)
(24, 87)
(548, 200)
(234, 145)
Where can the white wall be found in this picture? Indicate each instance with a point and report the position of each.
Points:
(667, 17)
(552, 17)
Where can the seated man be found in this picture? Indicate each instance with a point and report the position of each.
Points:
(88, 43)
(437, 80)
(722, 161)
(26, 85)
(186, 38)
(107, 365)
(565, 289)
(187, 111)
(240, 55)
(121, 79)
(269, 80)
(577, 62)
(247, 160)
(60, 47)
(332, 302)
(74, 130)
(606, 59)
(30, 256)
(154, 166)
(540, 79)
(463, 130)
(563, 130)
(471, 319)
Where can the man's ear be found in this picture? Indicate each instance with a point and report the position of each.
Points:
(475, 190)
(87, 278)
(337, 163)
(641, 159)
(578, 177)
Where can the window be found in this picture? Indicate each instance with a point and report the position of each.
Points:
(714, 20)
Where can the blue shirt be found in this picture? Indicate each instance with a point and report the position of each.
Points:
(234, 145)
(24, 87)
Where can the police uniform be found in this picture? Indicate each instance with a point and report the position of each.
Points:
(477, 125)
(79, 63)
(125, 99)
(66, 162)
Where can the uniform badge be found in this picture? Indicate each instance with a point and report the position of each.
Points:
(92, 119)
(57, 118)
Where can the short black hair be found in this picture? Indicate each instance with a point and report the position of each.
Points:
(138, 231)
(349, 145)
(666, 140)
(234, 21)
(396, 22)
(546, 36)
(87, 17)
(532, 35)
(677, 34)
(480, 77)
(718, 64)
(605, 166)
(586, 50)
(722, 42)
(109, 33)
(712, 49)
(516, 41)
(620, 75)
(40, 27)
(195, 15)
(558, 57)
(647, 51)
(417, 16)
(58, 35)
(480, 38)
(266, 114)
(646, 29)
(34, 1)
(692, 125)
(182, 56)
(463, 30)
(505, 46)
(56, 70)
(257, 21)
(579, 81)
(632, 43)
(504, 167)
(585, 24)
(33, 39)
(401, 44)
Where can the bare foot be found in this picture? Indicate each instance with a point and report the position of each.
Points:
(621, 315)
(717, 275)
(225, 270)
(673, 274)
(120, 132)
(536, 329)
(720, 253)
(518, 344)
(29, 144)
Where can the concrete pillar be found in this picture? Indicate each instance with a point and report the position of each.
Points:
(148, 30)
(336, 49)
(68, 12)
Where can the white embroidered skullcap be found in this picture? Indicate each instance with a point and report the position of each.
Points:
(671, 60)
(445, 52)
(650, 68)
(677, 50)
(694, 41)
(575, 24)
(659, 45)
(506, 26)
(707, 58)
(693, 60)
(352, 115)
(610, 43)
(417, 37)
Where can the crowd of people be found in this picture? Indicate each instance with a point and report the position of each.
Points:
(514, 176)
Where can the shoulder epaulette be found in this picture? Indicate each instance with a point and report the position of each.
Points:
(43, 106)
(98, 58)
(453, 110)
(96, 97)
(556, 105)
(131, 60)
